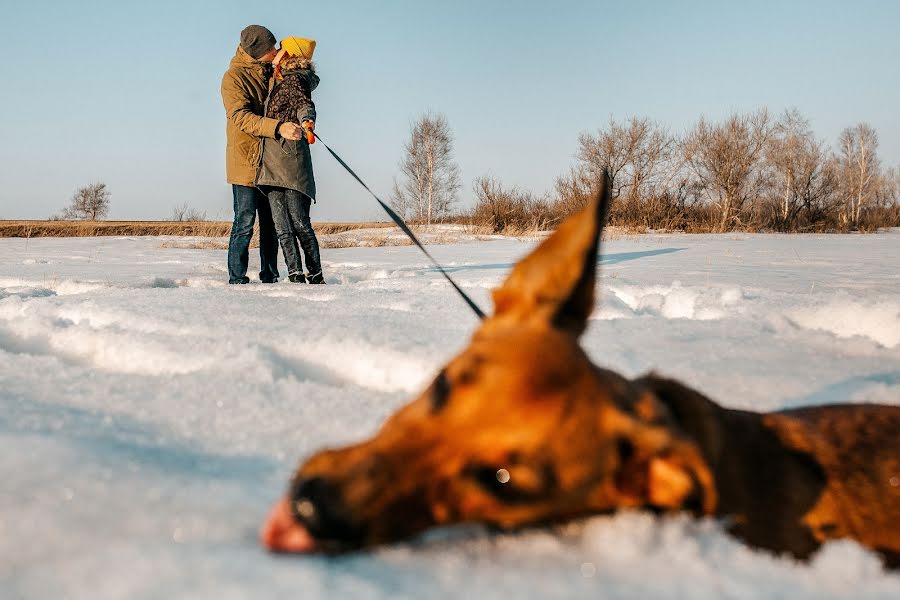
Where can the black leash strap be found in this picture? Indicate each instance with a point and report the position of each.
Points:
(405, 228)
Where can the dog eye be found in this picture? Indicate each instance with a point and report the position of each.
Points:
(515, 485)
(492, 479)
(440, 391)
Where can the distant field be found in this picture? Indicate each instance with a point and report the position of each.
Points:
(32, 229)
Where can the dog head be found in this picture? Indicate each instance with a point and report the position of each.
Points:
(520, 428)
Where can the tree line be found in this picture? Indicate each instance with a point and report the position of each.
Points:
(91, 203)
(747, 172)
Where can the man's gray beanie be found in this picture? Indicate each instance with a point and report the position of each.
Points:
(256, 40)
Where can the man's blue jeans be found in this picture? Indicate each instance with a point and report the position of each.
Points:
(248, 201)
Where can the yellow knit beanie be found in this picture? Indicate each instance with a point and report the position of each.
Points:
(297, 46)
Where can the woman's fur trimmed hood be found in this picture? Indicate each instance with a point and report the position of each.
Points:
(295, 63)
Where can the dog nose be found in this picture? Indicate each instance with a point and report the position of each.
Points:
(316, 503)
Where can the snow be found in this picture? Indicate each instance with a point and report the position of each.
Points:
(150, 413)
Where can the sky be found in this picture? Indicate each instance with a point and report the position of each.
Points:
(128, 92)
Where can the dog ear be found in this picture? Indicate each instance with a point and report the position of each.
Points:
(555, 283)
(679, 478)
(673, 478)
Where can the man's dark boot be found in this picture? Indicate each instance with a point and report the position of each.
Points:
(317, 278)
(297, 278)
(270, 280)
(242, 280)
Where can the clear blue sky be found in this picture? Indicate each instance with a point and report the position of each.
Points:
(128, 92)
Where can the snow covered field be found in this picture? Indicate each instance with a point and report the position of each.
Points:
(150, 413)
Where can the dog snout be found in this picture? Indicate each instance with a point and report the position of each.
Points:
(316, 503)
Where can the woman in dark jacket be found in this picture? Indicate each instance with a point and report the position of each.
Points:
(285, 171)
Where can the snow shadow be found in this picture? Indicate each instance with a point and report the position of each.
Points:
(25, 292)
(620, 257)
(163, 283)
(119, 439)
(843, 391)
(283, 366)
(605, 259)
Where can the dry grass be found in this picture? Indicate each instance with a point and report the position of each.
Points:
(362, 241)
(329, 228)
(329, 234)
(210, 229)
(32, 229)
(213, 235)
(325, 241)
(208, 244)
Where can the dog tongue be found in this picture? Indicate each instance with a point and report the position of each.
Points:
(281, 533)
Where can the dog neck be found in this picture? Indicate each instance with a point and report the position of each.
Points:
(745, 457)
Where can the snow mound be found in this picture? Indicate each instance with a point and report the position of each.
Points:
(878, 321)
(673, 301)
(364, 364)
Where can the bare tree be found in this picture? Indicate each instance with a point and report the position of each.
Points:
(637, 153)
(649, 163)
(181, 212)
(430, 182)
(803, 179)
(890, 190)
(860, 171)
(726, 157)
(610, 149)
(89, 203)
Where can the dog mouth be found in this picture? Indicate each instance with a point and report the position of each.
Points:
(289, 531)
(281, 533)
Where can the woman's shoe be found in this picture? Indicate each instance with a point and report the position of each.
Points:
(297, 278)
(317, 278)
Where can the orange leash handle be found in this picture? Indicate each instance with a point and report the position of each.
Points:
(310, 134)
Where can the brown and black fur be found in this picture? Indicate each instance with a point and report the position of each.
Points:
(791, 480)
(521, 429)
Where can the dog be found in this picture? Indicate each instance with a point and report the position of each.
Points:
(522, 429)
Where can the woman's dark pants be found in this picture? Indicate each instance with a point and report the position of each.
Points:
(247, 202)
(290, 211)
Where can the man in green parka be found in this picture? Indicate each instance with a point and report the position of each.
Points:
(244, 89)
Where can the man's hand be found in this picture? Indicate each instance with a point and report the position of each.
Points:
(290, 131)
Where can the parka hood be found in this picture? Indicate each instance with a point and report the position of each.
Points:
(242, 59)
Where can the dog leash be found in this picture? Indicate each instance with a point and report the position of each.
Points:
(404, 228)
